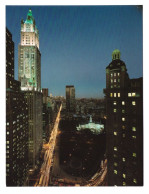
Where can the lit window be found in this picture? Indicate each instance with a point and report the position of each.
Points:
(7, 132)
(111, 94)
(7, 123)
(114, 74)
(111, 80)
(123, 127)
(123, 159)
(7, 142)
(123, 111)
(115, 171)
(124, 183)
(124, 135)
(7, 165)
(114, 94)
(114, 110)
(133, 103)
(115, 163)
(134, 154)
(115, 148)
(114, 80)
(124, 176)
(118, 94)
(129, 94)
(115, 133)
(135, 180)
(111, 74)
(114, 103)
(134, 137)
(123, 102)
(111, 86)
(133, 94)
(133, 128)
(123, 118)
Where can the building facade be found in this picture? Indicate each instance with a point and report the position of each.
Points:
(124, 125)
(70, 98)
(16, 123)
(29, 57)
(29, 74)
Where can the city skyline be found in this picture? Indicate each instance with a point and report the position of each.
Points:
(81, 60)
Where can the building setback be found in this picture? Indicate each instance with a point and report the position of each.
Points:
(70, 98)
(124, 125)
(16, 123)
(29, 74)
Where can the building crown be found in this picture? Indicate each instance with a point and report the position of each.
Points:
(116, 54)
(30, 18)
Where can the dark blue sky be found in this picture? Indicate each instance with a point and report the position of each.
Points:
(76, 44)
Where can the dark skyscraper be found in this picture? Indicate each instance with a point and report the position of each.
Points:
(124, 126)
(29, 74)
(16, 123)
(70, 98)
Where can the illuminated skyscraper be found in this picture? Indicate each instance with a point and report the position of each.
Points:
(70, 98)
(124, 125)
(29, 57)
(29, 74)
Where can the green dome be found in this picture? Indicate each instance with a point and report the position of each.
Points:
(116, 54)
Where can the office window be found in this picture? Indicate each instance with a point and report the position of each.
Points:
(124, 176)
(135, 180)
(129, 94)
(114, 110)
(123, 159)
(114, 94)
(114, 103)
(115, 171)
(133, 137)
(111, 94)
(123, 127)
(115, 163)
(115, 148)
(118, 94)
(134, 154)
(123, 102)
(133, 103)
(111, 80)
(133, 94)
(114, 80)
(114, 74)
(124, 135)
(115, 133)
(124, 183)
(133, 128)
(123, 118)
(123, 111)
(111, 74)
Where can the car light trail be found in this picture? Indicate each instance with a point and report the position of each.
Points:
(48, 156)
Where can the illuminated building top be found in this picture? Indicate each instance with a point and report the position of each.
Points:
(95, 128)
(116, 54)
(29, 57)
(29, 31)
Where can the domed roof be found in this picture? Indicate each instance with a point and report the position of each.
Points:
(116, 54)
(116, 51)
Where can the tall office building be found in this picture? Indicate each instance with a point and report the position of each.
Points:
(70, 98)
(29, 74)
(29, 55)
(16, 123)
(124, 125)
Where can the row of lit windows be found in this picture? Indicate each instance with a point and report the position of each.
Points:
(115, 74)
(114, 94)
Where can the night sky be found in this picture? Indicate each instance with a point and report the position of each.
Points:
(76, 44)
